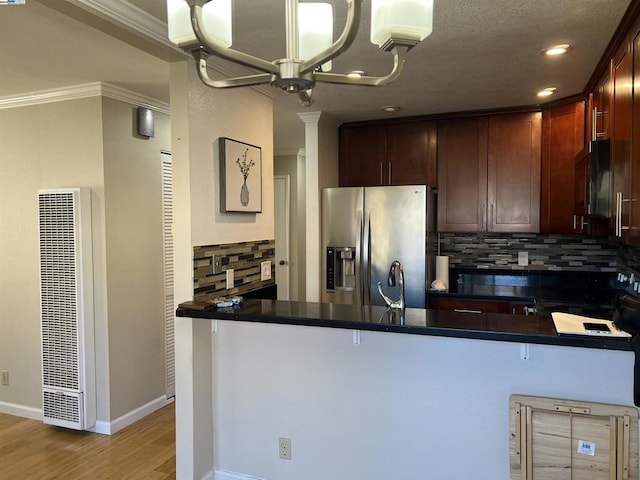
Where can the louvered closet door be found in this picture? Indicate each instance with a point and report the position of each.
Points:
(167, 229)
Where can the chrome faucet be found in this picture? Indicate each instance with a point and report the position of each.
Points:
(395, 270)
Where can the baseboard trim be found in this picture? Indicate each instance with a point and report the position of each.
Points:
(228, 475)
(109, 428)
(20, 411)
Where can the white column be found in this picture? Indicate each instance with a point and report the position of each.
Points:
(193, 354)
(312, 224)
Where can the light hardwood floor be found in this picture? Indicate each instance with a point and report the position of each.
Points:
(30, 449)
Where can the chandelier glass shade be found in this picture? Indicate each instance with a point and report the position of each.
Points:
(204, 29)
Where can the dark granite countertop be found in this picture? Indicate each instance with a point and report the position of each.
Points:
(496, 327)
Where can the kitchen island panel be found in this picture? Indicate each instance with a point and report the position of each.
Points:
(391, 406)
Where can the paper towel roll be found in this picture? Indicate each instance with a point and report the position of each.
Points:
(442, 269)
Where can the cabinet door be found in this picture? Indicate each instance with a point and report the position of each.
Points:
(621, 142)
(411, 154)
(462, 175)
(600, 111)
(634, 232)
(513, 173)
(562, 139)
(469, 305)
(363, 152)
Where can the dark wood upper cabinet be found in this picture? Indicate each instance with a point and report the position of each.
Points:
(600, 115)
(620, 135)
(363, 152)
(462, 175)
(397, 154)
(563, 137)
(513, 173)
(634, 212)
(489, 174)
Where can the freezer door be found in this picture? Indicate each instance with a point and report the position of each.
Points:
(342, 210)
(395, 229)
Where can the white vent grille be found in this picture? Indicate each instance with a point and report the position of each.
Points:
(62, 406)
(66, 292)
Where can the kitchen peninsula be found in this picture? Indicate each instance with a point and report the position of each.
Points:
(365, 393)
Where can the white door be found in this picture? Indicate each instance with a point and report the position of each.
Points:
(282, 209)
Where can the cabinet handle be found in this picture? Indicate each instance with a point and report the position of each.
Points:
(463, 310)
(594, 124)
(575, 221)
(491, 216)
(381, 174)
(619, 226)
(389, 172)
(482, 212)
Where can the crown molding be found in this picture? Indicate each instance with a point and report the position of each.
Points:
(130, 17)
(75, 92)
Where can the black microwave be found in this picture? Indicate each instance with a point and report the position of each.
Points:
(592, 170)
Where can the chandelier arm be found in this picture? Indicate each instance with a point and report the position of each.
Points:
(399, 53)
(344, 41)
(214, 47)
(305, 97)
(245, 81)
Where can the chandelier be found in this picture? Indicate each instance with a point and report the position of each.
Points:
(203, 28)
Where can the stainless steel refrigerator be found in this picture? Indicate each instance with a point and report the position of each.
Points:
(364, 229)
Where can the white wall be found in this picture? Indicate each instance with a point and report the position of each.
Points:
(200, 115)
(90, 143)
(135, 280)
(395, 407)
(52, 145)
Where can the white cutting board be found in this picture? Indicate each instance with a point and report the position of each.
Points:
(569, 323)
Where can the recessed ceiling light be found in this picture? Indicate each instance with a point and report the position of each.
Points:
(355, 74)
(547, 92)
(557, 50)
(390, 108)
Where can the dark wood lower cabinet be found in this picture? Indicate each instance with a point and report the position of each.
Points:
(479, 306)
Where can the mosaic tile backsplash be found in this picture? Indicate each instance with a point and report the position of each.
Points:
(244, 258)
(546, 252)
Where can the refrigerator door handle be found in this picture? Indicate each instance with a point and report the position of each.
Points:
(359, 294)
(366, 258)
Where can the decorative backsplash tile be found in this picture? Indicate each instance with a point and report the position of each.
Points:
(546, 252)
(244, 258)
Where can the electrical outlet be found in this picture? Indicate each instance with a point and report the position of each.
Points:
(5, 377)
(265, 270)
(284, 445)
(230, 278)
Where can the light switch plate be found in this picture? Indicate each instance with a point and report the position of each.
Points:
(265, 270)
(523, 258)
(216, 264)
(230, 278)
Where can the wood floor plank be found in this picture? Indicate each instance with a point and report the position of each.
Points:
(143, 451)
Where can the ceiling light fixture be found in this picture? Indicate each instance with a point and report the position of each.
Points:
(547, 92)
(203, 28)
(390, 108)
(557, 50)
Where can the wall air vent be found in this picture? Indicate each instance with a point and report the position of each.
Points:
(66, 308)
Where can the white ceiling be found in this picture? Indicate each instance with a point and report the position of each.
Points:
(482, 54)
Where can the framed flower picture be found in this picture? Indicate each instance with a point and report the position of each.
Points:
(240, 176)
